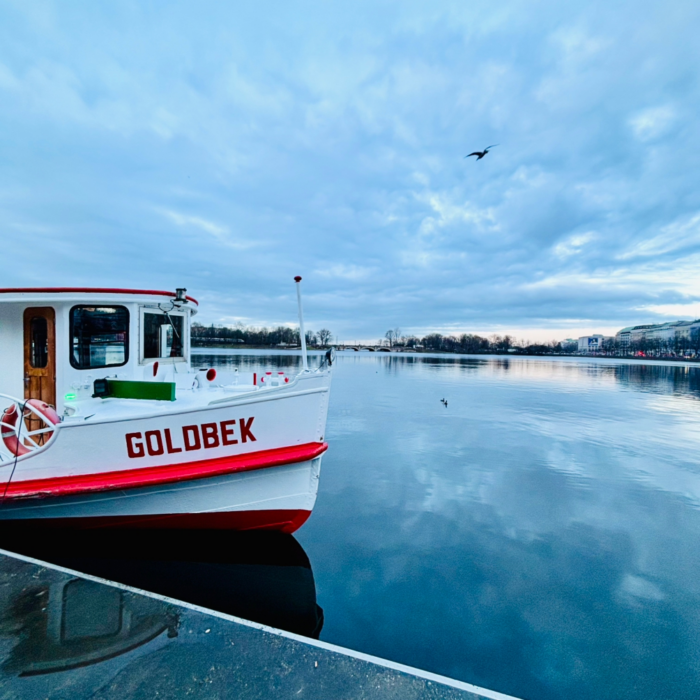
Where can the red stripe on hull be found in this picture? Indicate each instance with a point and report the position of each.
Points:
(287, 521)
(150, 476)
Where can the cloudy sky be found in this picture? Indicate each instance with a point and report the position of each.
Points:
(226, 147)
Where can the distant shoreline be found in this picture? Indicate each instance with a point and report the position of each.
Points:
(202, 350)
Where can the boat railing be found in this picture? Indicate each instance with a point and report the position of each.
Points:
(18, 437)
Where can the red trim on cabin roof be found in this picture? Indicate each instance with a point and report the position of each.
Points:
(151, 476)
(87, 290)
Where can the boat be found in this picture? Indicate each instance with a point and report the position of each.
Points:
(104, 422)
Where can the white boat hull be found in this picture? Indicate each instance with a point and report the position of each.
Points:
(280, 498)
(240, 463)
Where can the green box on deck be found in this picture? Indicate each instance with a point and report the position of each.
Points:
(148, 391)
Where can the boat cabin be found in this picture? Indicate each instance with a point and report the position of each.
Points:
(56, 342)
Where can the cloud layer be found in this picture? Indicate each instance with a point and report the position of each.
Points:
(228, 148)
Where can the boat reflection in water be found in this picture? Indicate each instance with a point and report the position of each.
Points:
(265, 577)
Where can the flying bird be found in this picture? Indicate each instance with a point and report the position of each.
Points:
(480, 154)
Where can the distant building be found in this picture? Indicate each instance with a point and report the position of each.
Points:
(664, 332)
(624, 337)
(591, 343)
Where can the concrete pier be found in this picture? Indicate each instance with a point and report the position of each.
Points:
(68, 635)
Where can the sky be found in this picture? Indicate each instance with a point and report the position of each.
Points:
(227, 147)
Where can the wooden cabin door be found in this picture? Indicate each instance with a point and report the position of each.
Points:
(40, 355)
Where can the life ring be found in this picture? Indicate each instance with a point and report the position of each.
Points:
(9, 428)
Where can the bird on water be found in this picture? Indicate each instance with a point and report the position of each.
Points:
(480, 154)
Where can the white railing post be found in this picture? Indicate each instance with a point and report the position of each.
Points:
(302, 332)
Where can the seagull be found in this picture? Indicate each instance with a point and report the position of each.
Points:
(480, 154)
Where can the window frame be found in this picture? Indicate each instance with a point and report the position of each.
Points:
(143, 310)
(127, 339)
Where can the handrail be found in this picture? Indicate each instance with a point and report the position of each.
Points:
(24, 408)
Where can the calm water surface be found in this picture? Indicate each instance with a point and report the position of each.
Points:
(539, 536)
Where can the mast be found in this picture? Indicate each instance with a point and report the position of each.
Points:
(302, 332)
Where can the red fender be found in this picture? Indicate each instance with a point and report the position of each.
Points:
(10, 415)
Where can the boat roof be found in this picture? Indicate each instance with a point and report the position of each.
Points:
(14, 294)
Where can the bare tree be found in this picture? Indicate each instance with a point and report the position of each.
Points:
(311, 338)
(325, 336)
(390, 335)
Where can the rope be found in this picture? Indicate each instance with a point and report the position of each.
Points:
(19, 442)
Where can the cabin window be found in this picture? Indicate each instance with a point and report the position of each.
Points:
(39, 340)
(99, 336)
(163, 335)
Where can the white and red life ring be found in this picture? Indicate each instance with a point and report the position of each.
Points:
(17, 445)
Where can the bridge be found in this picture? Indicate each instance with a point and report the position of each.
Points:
(372, 348)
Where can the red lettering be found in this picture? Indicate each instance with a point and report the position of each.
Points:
(134, 449)
(245, 430)
(192, 430)
(227, 432)
(158, 449)
(210, 435)
(169, 443)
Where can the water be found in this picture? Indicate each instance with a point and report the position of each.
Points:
(538, 536)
